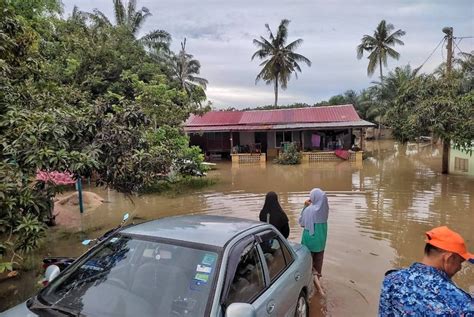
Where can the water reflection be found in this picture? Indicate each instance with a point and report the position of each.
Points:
(400, 195)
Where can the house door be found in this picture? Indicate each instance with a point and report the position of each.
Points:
(261, 137)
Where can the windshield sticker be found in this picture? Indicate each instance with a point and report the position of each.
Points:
(203, 277)
(208, 259)
(197, 285)
(203, 269)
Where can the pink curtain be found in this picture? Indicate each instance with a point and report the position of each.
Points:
(316, 140)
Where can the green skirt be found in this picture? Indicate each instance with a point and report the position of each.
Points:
(317, 241)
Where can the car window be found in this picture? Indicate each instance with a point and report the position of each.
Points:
(125, 276)
(248, 280)
(277, 257)
(288, 256)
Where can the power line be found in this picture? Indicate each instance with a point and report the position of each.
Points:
(442, 40)
(458, 47)
(463, 37)
(442, 51)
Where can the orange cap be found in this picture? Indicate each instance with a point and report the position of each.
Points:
(448, 240)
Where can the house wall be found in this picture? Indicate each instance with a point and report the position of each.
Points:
(247, 138)
(453, 153)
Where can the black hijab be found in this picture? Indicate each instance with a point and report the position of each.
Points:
(278, 218)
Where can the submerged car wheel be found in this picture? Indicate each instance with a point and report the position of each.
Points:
(302, 308)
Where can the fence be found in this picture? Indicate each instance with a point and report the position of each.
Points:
(243, 158)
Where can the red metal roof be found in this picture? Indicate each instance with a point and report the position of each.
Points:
(342, 113)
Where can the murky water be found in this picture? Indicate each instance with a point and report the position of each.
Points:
(400, 195)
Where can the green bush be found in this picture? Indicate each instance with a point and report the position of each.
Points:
(289, 156)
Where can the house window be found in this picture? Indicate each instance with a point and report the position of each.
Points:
(461, 164)
(283, 136)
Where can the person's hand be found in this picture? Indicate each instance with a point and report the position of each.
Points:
(307, 202)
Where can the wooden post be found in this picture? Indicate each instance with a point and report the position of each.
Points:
(362, 145)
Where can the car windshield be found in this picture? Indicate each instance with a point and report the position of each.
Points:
(126, 276)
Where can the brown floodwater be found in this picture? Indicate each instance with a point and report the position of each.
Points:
(379, 211)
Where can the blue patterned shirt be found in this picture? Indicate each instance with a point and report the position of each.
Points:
(422, 290)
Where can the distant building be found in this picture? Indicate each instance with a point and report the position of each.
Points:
(461, 162)
(325, 128)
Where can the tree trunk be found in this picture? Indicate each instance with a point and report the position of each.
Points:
(380, 66)
(445, 162)
(381, 81)
(276, 91)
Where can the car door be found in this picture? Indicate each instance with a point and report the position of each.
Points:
(283, 278)
(246, 279)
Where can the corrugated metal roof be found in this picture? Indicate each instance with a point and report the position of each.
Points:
(300, 115)
(293, 126)
(215, 118)
(341, 113)
(319, 125)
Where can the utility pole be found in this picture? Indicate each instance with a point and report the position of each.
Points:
(446, 142)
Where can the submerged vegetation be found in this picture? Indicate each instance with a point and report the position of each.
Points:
(180, 185)
(289, 156)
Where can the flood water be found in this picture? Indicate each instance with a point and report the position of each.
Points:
(379, 212)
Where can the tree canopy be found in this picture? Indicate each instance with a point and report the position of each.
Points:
(379, 46)
(85, 98)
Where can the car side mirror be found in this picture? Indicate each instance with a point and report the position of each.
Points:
(51, 272)
(240, 310)
(125, 217)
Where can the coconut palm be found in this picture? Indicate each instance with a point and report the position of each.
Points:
(185, 69)
(279, 58)
(379, 46)
(127, 16)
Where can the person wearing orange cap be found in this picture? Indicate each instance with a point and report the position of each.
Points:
(426, 288)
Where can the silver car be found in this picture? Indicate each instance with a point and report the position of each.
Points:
(183, 266)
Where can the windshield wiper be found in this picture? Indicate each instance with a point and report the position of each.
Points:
(51, 310)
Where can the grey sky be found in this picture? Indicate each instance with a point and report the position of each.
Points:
(220, 32)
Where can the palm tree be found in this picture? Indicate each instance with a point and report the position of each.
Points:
(280, 60)
(386, 91)
(127, 16)
(185, 69)
(379, 46)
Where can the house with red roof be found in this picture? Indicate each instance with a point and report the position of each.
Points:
(312, 129)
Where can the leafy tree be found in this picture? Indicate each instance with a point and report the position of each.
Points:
(83, 98)
(379, 46)
(337, 100)
(386, 91)
(279, 58)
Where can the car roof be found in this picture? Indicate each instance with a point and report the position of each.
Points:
(202, 229)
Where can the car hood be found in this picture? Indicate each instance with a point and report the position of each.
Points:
(18, 311)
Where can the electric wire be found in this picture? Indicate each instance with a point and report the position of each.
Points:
(442, 40)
